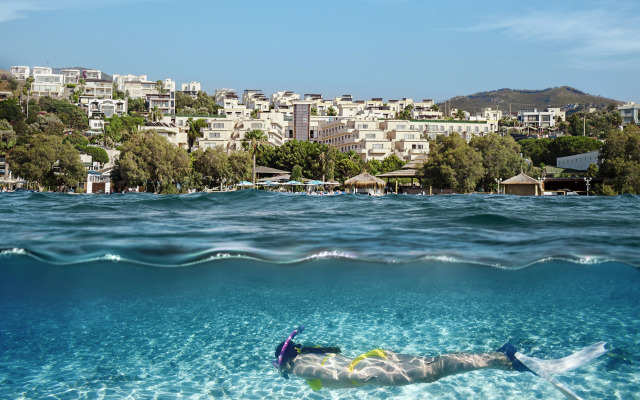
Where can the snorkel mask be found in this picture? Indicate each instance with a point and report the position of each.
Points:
(278, 363)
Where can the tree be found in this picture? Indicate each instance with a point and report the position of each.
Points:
(452, 164)
(406, 113)
(155, 114)
(620, 160)
(10, 110)
(8, 136)
(239, 166)
(314, 111)
(212, 164)
(160, 87)
(254, 113)
(71, 115)
(47, 160)
(76, 139)
(331, 112)
(373, 166)
(253, 142)
(435, 107)
(47, 124)
(98, 154)
(136, 105)
(195, 130)
(391, 163)
(500, 158)
(460, 114)
(148, 159)
(537, 150)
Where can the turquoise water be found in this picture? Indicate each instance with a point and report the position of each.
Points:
(186, 297)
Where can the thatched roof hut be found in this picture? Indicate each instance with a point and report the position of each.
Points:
(523, 185)
(365, 183)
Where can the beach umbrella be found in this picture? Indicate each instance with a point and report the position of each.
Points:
(244, 183)
(293, 183)
(315, 183)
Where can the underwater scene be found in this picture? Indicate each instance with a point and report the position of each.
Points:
(143, 296)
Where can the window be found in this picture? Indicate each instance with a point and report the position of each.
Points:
(401, 127)
(256, 126)
(378, 146)
(370, 136)
(364, 126)
(217, 125)
(409, 136)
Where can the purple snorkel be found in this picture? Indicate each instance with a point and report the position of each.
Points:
(278, 363)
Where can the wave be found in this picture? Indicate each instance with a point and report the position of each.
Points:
(268, 259)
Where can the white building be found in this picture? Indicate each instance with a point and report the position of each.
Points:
(97, 89)
(92, 74)
(21, 72)
(41, 71)
(284, 98)
(540, 118)
(630, 113)
(192, 88)
(48, 85)
(255, 100)
(96, 127)
(71, 76)
(579, 162)
(120, 80)
(165, 102)
(106, 107)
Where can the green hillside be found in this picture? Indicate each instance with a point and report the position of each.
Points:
(565, 97)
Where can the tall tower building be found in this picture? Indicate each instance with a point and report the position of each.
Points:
(301, 119)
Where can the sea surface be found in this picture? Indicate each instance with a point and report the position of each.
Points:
(140, 296)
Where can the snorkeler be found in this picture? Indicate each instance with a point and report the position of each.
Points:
(326, 367)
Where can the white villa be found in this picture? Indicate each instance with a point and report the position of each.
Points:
(630, 113)
(20, 72)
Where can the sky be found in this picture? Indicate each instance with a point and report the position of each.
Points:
(393, 49)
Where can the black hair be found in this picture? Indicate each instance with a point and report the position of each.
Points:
(293, 349)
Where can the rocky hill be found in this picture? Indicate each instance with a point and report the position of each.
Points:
(565, 97)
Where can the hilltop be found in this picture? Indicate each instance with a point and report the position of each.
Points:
(565, 97)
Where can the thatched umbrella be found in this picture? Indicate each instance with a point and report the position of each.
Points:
(365, 181)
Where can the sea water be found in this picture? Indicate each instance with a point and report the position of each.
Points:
(186, 297)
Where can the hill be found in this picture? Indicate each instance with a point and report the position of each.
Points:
(565, 97)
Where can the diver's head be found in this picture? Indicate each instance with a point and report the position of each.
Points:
(290, 352)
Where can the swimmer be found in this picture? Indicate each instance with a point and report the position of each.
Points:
(327, 367)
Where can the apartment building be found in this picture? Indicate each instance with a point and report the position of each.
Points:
(255, 100)
(71, 76)
(20, 72)
(41, 71)
(120, 80)
(47, 85)
(192, 88)
(284, 98)
(630, 113)
(92, 74)
(540, 118)
(105, 107)
(97, 89)
(165, 102)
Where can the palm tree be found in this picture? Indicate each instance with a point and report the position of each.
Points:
(460, 114)
(253, 142)
(155, 114)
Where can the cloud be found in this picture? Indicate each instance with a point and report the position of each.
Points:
(18, 9)
(593, 35)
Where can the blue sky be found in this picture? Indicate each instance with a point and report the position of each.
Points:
(367, 48)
